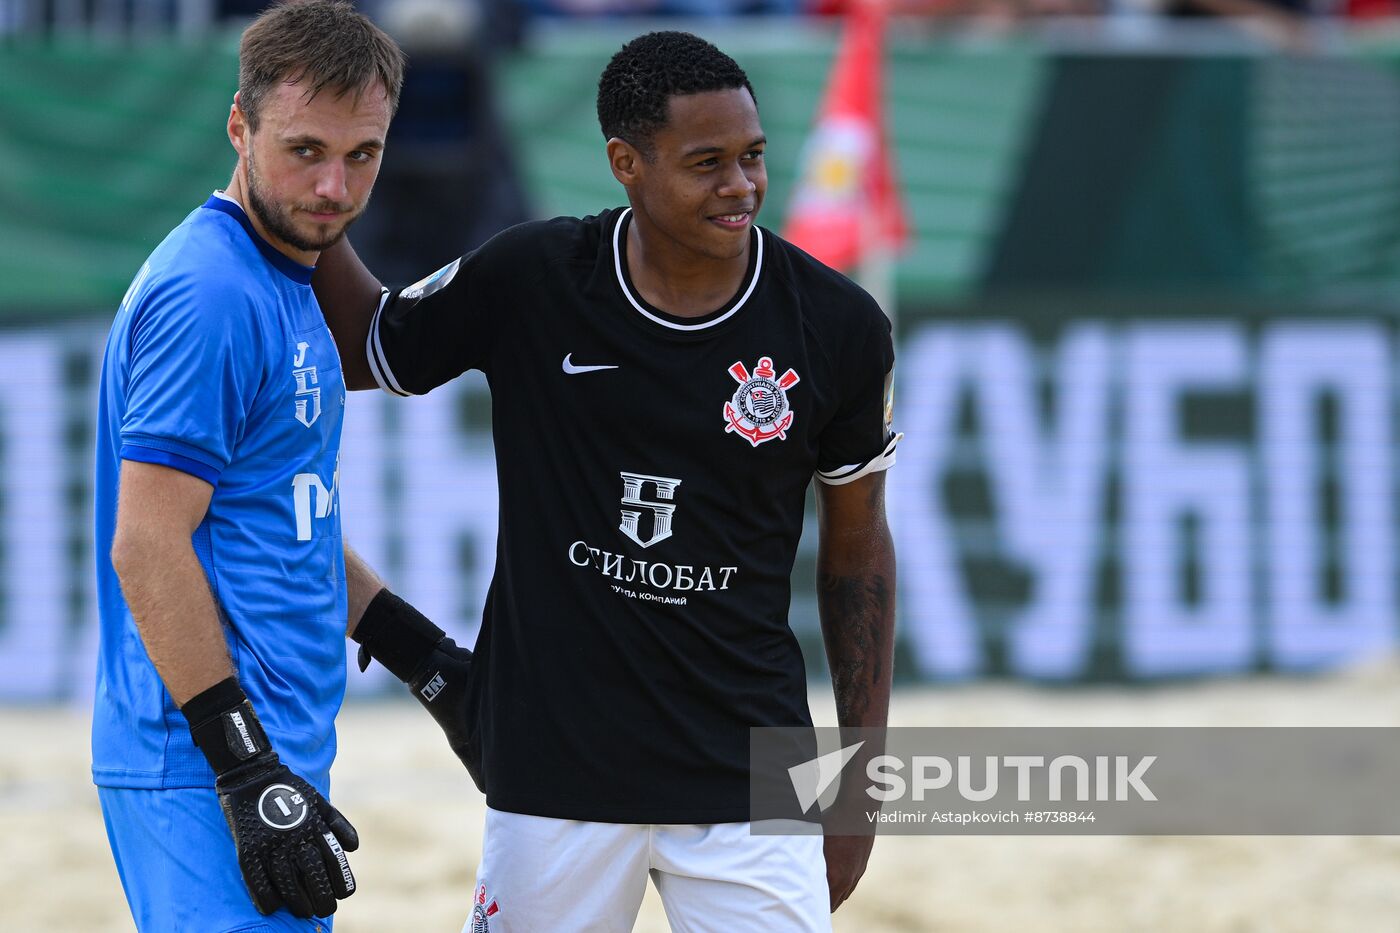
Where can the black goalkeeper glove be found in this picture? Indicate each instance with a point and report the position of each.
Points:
(435, 668)
(291, 843)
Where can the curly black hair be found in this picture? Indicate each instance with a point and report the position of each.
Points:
(637, 85)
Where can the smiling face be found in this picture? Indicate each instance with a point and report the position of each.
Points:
(306, 172)
(699, 185)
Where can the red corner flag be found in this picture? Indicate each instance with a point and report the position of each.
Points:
(846, 205)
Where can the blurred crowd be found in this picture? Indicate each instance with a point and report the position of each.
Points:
(430, 210)
(492, 20)
(517, 11)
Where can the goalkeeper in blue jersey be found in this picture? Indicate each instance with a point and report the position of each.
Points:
(222, 582)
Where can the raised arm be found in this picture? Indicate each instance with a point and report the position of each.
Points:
(855, 598)
(348, 294)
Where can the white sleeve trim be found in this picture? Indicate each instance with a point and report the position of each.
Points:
(378, 362)
(849, 474)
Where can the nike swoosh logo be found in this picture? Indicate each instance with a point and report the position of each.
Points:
(572, 369)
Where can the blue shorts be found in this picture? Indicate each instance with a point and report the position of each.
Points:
(176, 860)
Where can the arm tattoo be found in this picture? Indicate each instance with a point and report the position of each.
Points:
(858, 644)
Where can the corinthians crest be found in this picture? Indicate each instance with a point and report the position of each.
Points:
(483, 911)
(759, 409)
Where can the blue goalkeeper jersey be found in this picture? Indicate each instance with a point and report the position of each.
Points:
(219, 364)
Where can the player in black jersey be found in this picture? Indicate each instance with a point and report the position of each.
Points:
(666, 379)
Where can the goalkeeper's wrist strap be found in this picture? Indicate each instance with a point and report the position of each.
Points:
(396, 635)
(225, 727)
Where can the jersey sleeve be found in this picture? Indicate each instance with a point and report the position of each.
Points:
(194, 366)
(434, 330)
(859, 439)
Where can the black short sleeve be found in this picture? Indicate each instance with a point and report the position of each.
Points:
(434, 330)
(859, 439)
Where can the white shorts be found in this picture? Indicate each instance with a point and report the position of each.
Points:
(542, 875)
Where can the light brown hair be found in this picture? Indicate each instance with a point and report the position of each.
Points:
(325, 43)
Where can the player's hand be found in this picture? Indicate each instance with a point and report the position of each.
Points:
(846, 857)
(434, 666)
(440, 685)
(290, 842)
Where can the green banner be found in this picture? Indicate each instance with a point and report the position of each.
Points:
(105, 148)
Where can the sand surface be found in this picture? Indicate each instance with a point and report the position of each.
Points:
(420, 827)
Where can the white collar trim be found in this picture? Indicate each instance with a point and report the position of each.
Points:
(641, 309)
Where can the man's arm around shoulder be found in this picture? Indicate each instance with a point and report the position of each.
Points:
(348, 294)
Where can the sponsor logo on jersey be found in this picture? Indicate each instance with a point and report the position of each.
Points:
(634, 507)
(432, 283)
(655, 574)
(482, 911)
(307, 398)
(889, 402)
(573, 369)
(311, 499)
(759, 409)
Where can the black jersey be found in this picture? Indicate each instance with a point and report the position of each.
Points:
(653, 472)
